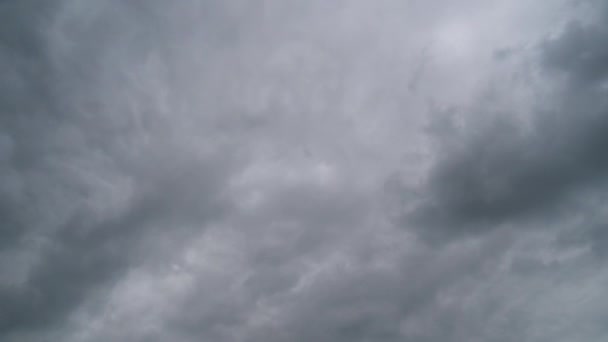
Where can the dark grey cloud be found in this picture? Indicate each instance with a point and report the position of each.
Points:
(82, 190)
(266, 171)
(498, 169)
(579, 52)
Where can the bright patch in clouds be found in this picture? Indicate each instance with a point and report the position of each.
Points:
(454, 40)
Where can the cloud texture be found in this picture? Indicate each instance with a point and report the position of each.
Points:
(298, 170)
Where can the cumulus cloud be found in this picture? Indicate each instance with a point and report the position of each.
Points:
(303, 170)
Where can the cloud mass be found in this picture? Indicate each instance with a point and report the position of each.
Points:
(303, 170)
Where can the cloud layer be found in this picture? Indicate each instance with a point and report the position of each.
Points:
(304, 170)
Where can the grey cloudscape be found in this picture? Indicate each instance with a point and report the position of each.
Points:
(303, 170)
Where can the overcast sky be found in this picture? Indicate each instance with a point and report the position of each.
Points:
(303, 170)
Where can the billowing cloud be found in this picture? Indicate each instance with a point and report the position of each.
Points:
(303, 170)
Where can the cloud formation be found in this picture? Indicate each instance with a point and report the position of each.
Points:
(505, 168)
(305, 170)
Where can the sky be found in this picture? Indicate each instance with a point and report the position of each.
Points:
(303, 170)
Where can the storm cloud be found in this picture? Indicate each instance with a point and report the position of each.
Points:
(303, 170)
